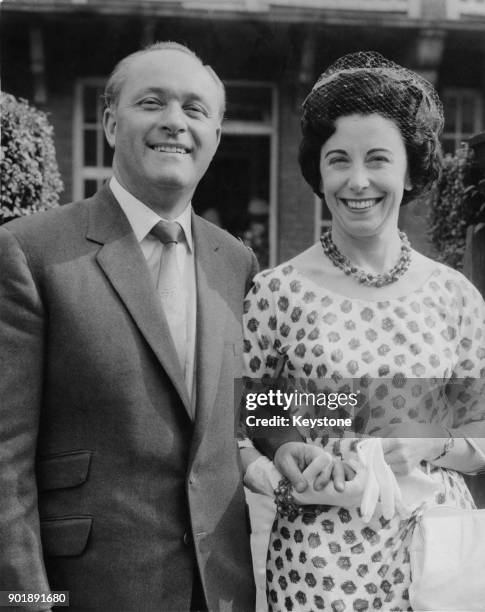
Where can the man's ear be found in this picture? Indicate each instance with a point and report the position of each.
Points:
(109, 125)
(218, 134)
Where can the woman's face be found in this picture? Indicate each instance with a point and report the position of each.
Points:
(364, 171)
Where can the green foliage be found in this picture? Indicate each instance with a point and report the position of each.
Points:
(459, 202)
(30, 176)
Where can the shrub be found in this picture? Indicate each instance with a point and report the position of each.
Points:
(458, 203)
(30, 176)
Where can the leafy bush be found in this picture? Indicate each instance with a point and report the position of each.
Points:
(30, 176)
(458, 203)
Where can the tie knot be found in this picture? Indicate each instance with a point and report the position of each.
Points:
(168, 231)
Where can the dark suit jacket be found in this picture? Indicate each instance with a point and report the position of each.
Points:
(107, 485)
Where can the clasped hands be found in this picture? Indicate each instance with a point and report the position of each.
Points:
(363, 480)
(404, 447)
(293, 459)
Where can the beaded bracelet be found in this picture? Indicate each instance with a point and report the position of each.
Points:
(287, 506)
(448, 445)
(285, 502)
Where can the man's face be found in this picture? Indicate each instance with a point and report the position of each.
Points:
(166, 126)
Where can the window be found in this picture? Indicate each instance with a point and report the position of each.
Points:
(92, 154)
(463, 117)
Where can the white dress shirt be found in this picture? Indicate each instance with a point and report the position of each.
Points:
(142, 219)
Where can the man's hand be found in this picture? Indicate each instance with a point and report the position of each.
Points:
(292, 458)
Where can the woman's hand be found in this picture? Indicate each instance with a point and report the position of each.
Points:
(292, 458)
(407, 444)
(324, 470)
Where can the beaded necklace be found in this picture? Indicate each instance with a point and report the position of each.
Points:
(371, 280)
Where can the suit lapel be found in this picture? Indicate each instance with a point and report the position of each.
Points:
(211, 318)
(122, 261)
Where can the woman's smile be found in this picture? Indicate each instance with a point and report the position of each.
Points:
(362, 204)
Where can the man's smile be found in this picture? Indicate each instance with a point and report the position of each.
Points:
(170, 148)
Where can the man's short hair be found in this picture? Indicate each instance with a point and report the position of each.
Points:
(117, 77)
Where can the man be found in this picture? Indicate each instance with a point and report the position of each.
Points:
(119, 474)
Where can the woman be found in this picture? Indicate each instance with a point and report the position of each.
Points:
(361, 310)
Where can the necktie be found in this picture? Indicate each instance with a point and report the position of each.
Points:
(170, 285)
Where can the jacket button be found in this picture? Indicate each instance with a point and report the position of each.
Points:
(187, 539)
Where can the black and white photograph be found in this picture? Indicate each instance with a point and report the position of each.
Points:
(242, 305)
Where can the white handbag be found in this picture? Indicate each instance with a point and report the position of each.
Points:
(448, 561)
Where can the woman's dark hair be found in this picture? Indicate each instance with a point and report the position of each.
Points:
(364, 92)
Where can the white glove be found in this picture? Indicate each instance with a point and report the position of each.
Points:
(366, 451)
(389, 491)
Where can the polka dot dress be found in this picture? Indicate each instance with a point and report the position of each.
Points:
(327, 558)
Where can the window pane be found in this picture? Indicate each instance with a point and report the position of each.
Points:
(90, 104)
(90, 147)
(248, 103)
(450, 110)
(448, 145)
(90, 188)
(468, 115)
